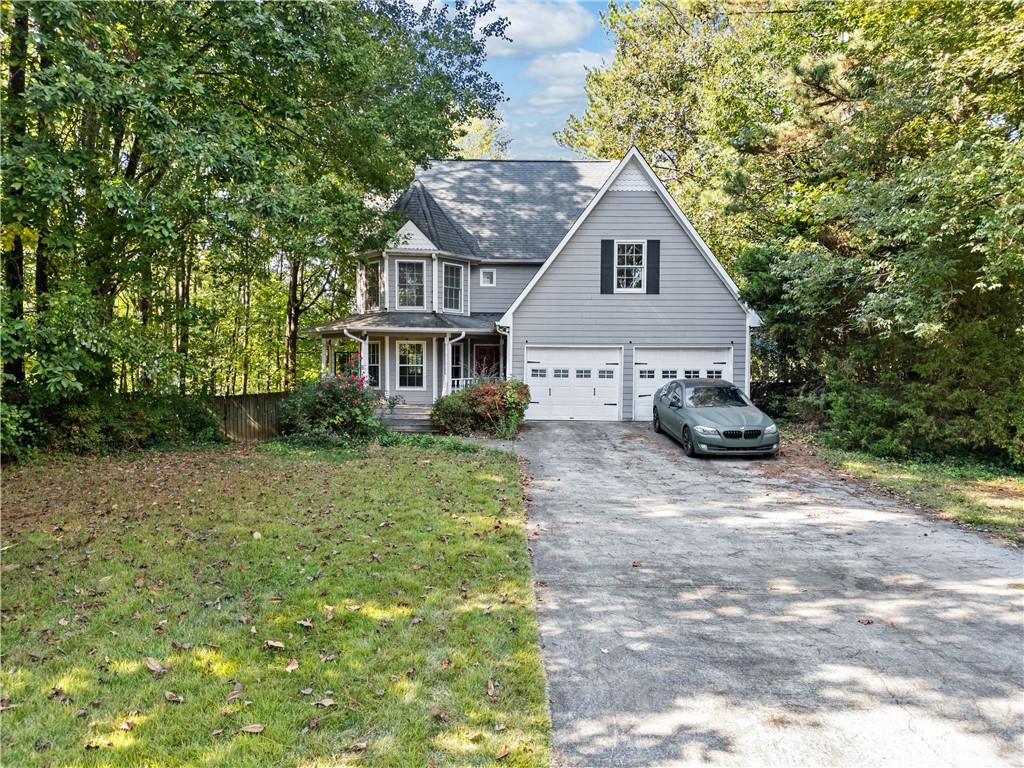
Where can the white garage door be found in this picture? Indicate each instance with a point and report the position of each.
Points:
(577, 383)
(653, 367)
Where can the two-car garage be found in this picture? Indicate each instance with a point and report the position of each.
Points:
(586, 383)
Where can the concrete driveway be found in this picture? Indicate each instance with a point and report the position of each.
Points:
(744, 612)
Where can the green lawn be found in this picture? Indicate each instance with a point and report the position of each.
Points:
(976, 494)
(375, 611)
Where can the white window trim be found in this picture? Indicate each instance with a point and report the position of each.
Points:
(380, 363)
(398, 284)
(462, 286)
(494, 273)
(398, 364)
(643, 267)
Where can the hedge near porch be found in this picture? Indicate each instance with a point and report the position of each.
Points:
(496, 408)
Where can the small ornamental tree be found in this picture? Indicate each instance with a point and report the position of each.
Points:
(336, 408)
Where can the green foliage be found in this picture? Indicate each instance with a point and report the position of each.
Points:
(96, 424)
(453, 415)
(185, 183)
(18, 432)
(494, 407)
(859, 166)
(332, 410)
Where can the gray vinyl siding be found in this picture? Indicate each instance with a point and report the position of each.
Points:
(567, 308)
(511, 279)
(428, 282)
(432, 369)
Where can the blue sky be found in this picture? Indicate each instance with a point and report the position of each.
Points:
(543, 69)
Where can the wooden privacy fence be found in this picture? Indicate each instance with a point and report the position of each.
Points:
(249, 417)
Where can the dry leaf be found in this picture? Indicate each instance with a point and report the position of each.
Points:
(254, 728)
(155, 666)
(306, 691)
(440, 714)
(127, 725)
(273, 645)
(257, 535)
(417, 619)
(236, 693)
(305, 623)
(503, 753)
(492, 690)
(172, 697)
(216, 731)
(353, 607)
(324, 703)
(865, 621)
(292, 666)
(359, 746)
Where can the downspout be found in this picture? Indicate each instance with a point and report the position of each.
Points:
(507, 333)
(364, 343)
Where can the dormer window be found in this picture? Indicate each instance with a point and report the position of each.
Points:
(629, 267)
(411, 284)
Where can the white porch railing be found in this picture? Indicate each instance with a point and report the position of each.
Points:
(460, 384)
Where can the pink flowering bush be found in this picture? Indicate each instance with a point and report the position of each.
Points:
(337, 408)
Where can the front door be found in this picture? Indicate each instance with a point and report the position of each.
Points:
(485, 360)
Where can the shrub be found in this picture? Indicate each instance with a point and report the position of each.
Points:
(495, 407)
(453, 414)
(332, 410)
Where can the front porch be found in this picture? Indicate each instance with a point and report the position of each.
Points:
(418, 368)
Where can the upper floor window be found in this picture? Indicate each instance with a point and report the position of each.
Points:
(411, 283)
(488, 278)
(373, 283)
(629, 267)
(452, 287)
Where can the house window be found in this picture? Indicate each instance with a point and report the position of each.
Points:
(606, 373)
(456, 361)
(691, 374)
(561, 373)
(410, 364)
(714, 374)
(582, 373)
(373, 364)
(453, 287)
(538, 373)
(372, 287)
(488, 278)
(411, 292)
(629, 267)
(669, 373)
(646, 373)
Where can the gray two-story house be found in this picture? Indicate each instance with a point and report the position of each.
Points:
(582, 278)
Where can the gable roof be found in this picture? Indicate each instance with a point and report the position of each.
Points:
(635, 159)
(515, 210)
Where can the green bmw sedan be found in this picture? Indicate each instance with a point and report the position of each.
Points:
(713, 416)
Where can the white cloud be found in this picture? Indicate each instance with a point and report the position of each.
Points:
(540, 26)
(565, 66)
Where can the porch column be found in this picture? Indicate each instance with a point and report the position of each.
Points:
(330, 356)
(387, 364)
(323, 356)
(447, 363)
(501, 356)
(433, 372)
(364, 359)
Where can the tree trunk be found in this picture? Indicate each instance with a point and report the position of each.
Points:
(291, 338)
(14, 257)
(184, 300)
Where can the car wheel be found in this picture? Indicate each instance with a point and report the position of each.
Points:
(657, 422)
(688, 447)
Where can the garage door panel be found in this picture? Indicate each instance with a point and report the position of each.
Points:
(574, 396)
(654, 367)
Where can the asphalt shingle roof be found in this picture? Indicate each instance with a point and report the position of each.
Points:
(426, 321)
(501, 209)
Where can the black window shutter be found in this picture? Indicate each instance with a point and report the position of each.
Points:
(654, 266)
(607, 266)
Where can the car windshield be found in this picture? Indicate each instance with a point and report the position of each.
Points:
(714, 397)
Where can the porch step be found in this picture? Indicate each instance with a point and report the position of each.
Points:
(408, 418)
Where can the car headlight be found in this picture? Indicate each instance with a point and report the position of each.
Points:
(771, 429)
(702, 430)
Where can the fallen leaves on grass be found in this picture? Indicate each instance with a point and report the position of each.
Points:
(324, 703)
(273, 645)
(492, 690)
(441, 714)
(359, 746)
(155, 666)
(292, 665)
(236, 692)
(174, 698)
(503, 753)
(252, 728)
